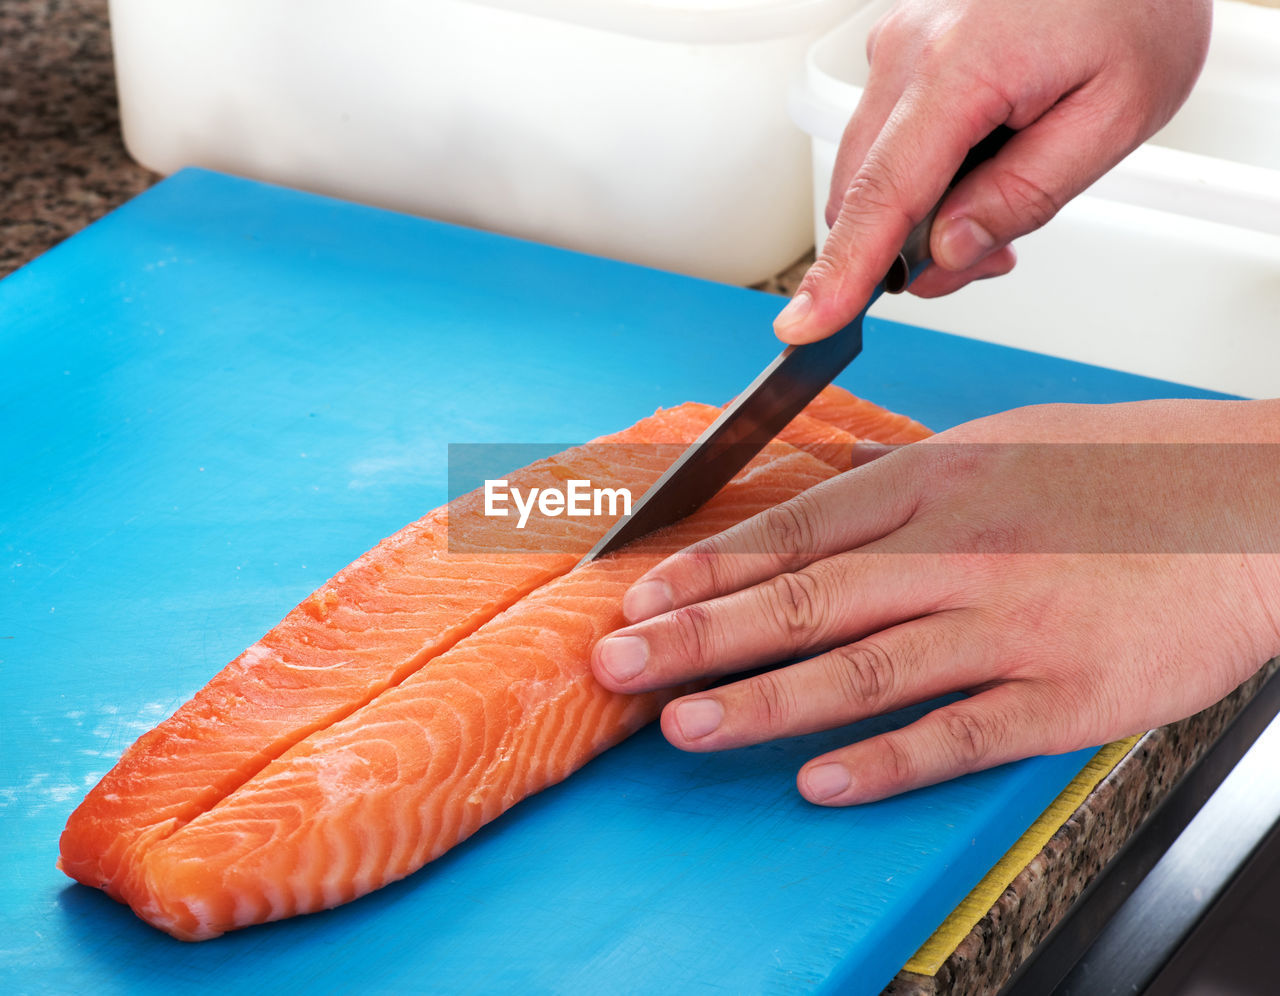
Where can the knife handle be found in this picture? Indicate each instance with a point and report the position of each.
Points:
(914, 255)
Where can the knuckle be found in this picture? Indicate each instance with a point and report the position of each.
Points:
(770, 700)
(856, 215)
(899, 33)
(704, 564)
(1030, 203)
(693, 634)
(971, 737)
(789, 527)
(795, 601)
(899, 764)
(875, 190)
(863, 672)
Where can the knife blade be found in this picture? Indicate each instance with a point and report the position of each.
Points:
(775, 397)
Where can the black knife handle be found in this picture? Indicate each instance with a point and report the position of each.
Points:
(914, 256)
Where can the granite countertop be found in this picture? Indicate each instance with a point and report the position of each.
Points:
(61, 159)
(65, 165)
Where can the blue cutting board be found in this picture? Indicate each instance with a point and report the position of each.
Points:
(219, 395)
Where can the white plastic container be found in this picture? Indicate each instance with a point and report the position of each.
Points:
(649, 130)
(1169, 266)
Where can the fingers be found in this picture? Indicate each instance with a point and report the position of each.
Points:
(827, 604)
(884, 88)
(1005, 723)
(1038, 171)
(905, 664)
(935, 89)
(841, 514)
(902, 175)
(936, 281)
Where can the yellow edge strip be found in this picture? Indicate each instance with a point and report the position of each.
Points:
(956, 927)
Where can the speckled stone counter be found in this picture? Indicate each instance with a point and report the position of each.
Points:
(1037, 899)
(62, 165)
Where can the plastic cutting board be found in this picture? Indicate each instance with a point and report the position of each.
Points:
(222, 393)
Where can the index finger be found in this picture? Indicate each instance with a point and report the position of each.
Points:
(840, 514)
(904, 174)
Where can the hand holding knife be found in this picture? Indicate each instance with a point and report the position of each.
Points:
(775, 397)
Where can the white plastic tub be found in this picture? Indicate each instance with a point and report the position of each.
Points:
(649, 130)
(1169, 266)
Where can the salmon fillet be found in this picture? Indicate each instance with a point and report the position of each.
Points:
(829, 443)
(154, 824)
(863, 419)
(506, 712)
(378, 620)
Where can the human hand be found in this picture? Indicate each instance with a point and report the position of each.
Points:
(1083, 82)
(1076, 594)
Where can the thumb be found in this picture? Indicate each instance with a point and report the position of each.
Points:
(1041, 168)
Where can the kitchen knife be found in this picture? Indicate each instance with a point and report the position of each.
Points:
(775, 397)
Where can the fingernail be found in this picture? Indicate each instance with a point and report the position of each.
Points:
(623, 657)
(962, 243)
(826, 780)
(794, 314)
(646, 600)
(698, 717)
